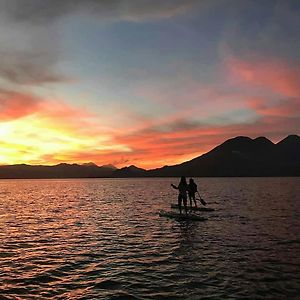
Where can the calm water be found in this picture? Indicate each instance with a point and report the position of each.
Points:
(103, 239)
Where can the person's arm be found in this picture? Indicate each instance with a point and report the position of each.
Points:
(174, 186)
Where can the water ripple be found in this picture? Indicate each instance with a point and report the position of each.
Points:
(103, 239)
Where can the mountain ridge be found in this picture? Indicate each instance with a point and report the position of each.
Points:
(239, 156)
(243, 156)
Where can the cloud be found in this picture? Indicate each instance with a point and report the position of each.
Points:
(63, 133)
(276, 75)
(270, 29)
(34, 128)
(192, 117)
(29, 54)
(150, 148)
(285, 108)
(31, 68)
(46, 11)
(30, 47)
(14, 105)
(179, 135)
(274, 87)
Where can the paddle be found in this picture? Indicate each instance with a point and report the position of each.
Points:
(201, 200)
(174, 186)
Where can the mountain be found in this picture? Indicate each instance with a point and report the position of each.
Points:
(242, 156)
(109, 166)
(131, 171)
(239, 156)
(89, 164)
(62, 170)
(290, 148)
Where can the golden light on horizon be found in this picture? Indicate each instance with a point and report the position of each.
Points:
(37, 140)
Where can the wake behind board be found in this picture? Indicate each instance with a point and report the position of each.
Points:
(181, 217)
(173, 205)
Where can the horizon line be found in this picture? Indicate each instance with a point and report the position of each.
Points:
(90, 163)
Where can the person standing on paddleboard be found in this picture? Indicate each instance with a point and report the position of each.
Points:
(192, 189)
(182, 196)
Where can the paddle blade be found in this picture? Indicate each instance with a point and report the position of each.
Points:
(202, 201)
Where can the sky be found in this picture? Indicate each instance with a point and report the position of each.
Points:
(144, 82)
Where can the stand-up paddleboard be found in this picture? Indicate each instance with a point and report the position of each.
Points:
(173, 205)
(181, 217)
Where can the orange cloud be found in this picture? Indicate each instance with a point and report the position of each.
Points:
(33, 129)
(152, 147)
(14, 105)
(288, 108)
(276, 75)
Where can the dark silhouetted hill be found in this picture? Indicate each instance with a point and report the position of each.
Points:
(242, 156)
(58, 171)
(109, 166)
(131, 171)
(289, 148)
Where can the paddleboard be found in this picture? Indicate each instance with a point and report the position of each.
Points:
(173, 205)
(183, 216)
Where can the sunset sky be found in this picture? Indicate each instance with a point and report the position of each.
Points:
(144, 82)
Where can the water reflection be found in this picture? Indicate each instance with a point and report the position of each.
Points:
(103, 238)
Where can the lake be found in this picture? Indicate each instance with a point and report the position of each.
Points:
(104, 239)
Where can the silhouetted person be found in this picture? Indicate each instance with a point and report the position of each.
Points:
(192, 189)
(182, 196)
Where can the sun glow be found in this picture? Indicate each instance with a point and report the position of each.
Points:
(37, 140)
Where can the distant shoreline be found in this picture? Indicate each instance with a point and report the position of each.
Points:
(148, 177)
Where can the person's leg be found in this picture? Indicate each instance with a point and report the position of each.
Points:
(185, 204)
(191, 203)
(194, 198)
(179, 202)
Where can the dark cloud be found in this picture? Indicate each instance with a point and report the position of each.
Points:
(28, 68)
(30, 35)
(37, 11)
(185, 125)
(29, 54)
(270, 28)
